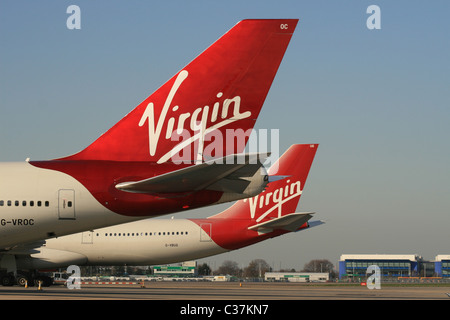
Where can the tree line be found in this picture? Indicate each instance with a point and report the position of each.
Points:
(255, 269)
(258, 267)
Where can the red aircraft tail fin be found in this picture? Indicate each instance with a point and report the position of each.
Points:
(281, 197)
(223, 88)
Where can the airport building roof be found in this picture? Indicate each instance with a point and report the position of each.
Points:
(441, 257)
(410, 257)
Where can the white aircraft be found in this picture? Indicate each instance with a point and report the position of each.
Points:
(147, 164)
(161, 241)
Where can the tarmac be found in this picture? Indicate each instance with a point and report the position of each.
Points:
(227, 300)
(235, 291)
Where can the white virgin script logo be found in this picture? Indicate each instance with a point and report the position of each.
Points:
(197, 120)
(274, 199)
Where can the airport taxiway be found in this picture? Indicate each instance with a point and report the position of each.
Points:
(225, 291)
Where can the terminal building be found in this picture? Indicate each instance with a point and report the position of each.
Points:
(393, 265)
(442, 266)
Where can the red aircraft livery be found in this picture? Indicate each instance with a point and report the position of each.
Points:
(152, 162)
(270, 214)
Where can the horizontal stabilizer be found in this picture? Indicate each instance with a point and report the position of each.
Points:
(276, 178)
(232, 173)
(290, 222)
(315, 223)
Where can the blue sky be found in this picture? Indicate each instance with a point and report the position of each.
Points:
(377, 102)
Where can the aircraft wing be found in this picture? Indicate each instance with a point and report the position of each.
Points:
(290, 222)
(24, 248)
(232, 173)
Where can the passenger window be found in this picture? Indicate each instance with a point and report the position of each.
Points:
(24, 203)
(47, 203)
(39, 203)
(16, 203)
(1, 203)
(31, 203)
(9, 203)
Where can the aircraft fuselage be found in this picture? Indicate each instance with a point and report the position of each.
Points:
(38, 203)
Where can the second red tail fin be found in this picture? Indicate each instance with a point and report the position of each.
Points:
(223, 88)
(281, 197)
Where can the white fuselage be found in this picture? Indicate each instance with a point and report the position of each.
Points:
(149, 242)
(37, 204)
